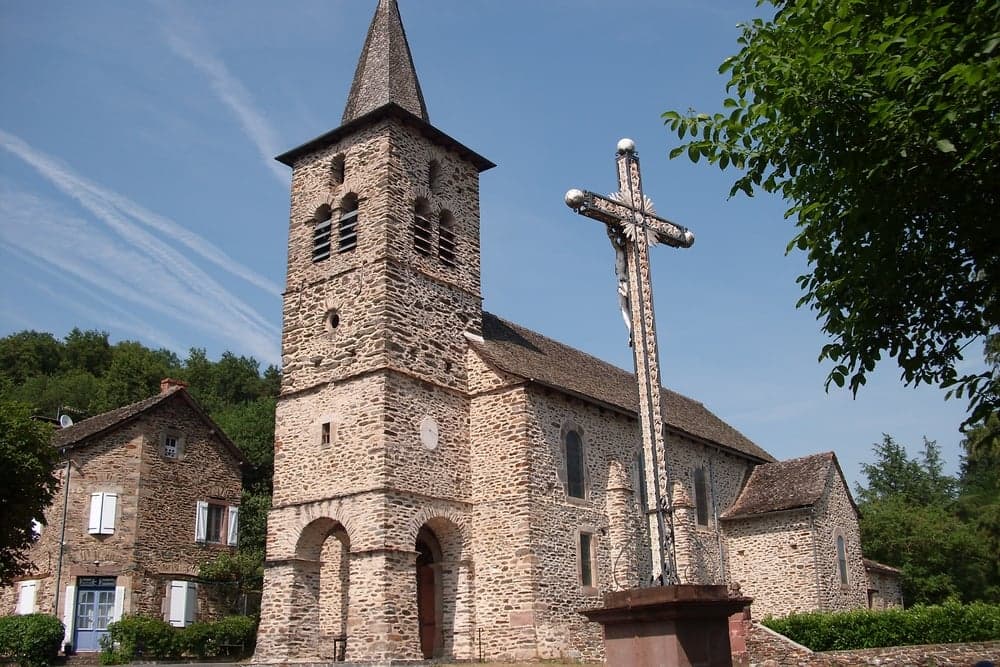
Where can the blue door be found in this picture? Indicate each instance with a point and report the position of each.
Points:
(95, 604)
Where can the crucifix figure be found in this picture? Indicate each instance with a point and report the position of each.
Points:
(633, 226)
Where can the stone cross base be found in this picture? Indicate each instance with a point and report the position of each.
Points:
(668, 626)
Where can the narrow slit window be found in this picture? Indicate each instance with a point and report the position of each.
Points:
(700, 497)
(422, 228)
(842, 559)
(586, 559)
(325, 434)
(321, 234)
(446, 240)
(338, 168)
(434, 175)
(575, 487)
(347, 227)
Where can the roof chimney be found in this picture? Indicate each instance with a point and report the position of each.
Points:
(166, 384)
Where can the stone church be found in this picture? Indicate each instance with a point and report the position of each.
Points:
(451, 484)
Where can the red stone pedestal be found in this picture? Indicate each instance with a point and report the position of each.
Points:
(668, 626)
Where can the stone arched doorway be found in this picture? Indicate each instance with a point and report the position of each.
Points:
(321, 596)
(429, 592)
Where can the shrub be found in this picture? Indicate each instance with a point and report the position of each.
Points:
(222, 637)
(944, 624)
(31, 640)
(138, 636)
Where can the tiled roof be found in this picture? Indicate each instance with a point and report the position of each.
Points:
(783, 485)
(385, 70)
(68, 437)
(880, 567)
(81, 433)
(529, 355)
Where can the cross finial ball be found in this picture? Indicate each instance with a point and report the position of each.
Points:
(575, 198)
(626, 146)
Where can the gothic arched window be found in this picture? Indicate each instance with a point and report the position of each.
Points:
(347, 226)
(446, 240)
(575, 478)
(422, 227)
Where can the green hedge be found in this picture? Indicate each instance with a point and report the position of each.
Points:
(153, 639)
(31, 640)
(945, 624)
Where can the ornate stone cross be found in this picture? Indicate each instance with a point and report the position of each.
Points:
(633, 226)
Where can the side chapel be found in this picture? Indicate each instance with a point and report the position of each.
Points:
(450, 484)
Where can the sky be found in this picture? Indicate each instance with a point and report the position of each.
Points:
(139, 194)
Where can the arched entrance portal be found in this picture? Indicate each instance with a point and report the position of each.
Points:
(429, 592)
(321, 591)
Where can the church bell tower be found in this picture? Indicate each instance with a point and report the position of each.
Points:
(367, 535)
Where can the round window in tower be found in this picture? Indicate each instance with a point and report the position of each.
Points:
(331, 320)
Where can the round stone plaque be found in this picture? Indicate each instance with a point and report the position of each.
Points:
(429, 433)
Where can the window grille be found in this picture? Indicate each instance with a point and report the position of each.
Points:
(422, 229)
(446, 241)
(347, 228)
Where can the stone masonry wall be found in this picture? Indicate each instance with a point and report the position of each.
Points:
(153, 541)
(772, 558)
(886, 589)
(169, 489)
(835, 515)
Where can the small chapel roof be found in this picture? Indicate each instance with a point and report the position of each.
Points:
(385, 70)
(784, 485)
(532, 356)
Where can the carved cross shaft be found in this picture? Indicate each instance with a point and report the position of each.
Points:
(633, 226)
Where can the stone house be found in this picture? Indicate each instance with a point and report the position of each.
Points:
(153, 492)
(450, 484)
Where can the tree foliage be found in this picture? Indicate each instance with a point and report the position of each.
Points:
(878, 122)
(925, 522)
(84, 374)
(27, 483)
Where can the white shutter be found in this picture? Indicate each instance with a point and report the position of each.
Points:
(94, 526)
(178, 603)
(26, 594)
(119, 608)
(234, 526)
(200, 521)
(69, 619)
(191, 603)
(109, 509)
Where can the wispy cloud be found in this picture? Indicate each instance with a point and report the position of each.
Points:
(95, 197)
(183, 37)
(124, 261)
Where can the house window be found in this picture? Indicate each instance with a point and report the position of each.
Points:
(103, 507)
(183, 603)
(324, 437)
(422, 227)
(700, 497)
(27, 594)
(321, 233)
(347, 226)
(586, 559)
(842, 560)
(446, 240)
(338, 169)
(216, 523)
(171, 444)
(575, 487)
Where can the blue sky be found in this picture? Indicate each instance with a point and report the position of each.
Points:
(138, 193)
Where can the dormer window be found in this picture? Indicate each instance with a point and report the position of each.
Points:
(347, 226)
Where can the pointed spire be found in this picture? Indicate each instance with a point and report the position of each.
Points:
(385, 71)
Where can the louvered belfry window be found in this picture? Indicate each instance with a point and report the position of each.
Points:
(347, 227)
(446, 240)
(321, 234)
(422, 231)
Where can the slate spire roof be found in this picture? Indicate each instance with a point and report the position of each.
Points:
(385, 73)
